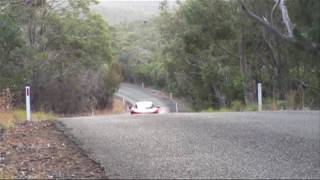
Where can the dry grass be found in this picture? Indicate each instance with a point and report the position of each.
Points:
(117, 108)
(5, 175)
(9, 118)
(6, 119)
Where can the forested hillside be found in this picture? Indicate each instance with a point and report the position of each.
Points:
(62, 50)
(212, 52)
(215, 52)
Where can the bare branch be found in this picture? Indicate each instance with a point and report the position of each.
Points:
(301, 43)
(273, 10)
(261, 21)
(286, 18)
(273, 51)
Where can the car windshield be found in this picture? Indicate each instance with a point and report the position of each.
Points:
(150, 106)
(145, 105)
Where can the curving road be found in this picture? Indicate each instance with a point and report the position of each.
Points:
(133, 93)
(199, 145)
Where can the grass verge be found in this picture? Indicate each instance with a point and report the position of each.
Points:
(9, 118)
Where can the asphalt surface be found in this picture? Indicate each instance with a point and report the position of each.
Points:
(203, 145)
(133, 93)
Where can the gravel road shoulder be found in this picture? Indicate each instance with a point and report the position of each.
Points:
(40, 150)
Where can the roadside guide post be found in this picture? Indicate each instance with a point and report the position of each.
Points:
(259, 97)
(28, 104)
(176, 103)
(142, 85)
(177, 110)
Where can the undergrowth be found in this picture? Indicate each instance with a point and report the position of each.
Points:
(9, 118)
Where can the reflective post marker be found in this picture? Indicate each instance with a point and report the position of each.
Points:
(28, 104)
(259, 97)
(177, 108)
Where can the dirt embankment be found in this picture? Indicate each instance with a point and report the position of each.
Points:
(39, 150)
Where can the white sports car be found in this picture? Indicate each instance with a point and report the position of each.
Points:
(144, 107)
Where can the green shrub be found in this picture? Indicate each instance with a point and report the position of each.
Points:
(291, 100)
(210, 109)
(252, 107)
(281, 105)
(236, 106)
(224, 109)
(267, 104)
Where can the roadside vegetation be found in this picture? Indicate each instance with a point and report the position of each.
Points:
(214, 53)
(210, 52)
(9, 118)
(62, 50)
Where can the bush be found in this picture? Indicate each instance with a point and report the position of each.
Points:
(251, 107)
(236, 106)
(224, 110)
(268, 104)
(210, 109)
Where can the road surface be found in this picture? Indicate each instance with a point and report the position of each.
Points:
(133, 93)
(203, 145)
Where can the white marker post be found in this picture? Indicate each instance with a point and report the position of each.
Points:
(28, 104)
(177, 110)
(259, 97)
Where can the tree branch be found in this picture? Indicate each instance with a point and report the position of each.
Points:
(301, 43)
(259, 20)
(273, 10)
(286, 18)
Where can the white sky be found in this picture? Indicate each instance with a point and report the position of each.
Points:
(133, 0)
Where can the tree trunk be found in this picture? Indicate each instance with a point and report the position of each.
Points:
(248, 83)
(221, 97)
(286, 18)
(304, 43)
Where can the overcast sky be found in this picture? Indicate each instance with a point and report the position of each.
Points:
(128, 0)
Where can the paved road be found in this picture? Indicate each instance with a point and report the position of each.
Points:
(133, 93)
(203, 145)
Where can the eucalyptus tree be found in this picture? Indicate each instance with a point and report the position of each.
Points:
(202, 45)
(290, 33)
(215, 54)
(293, 35)
(68, 60)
